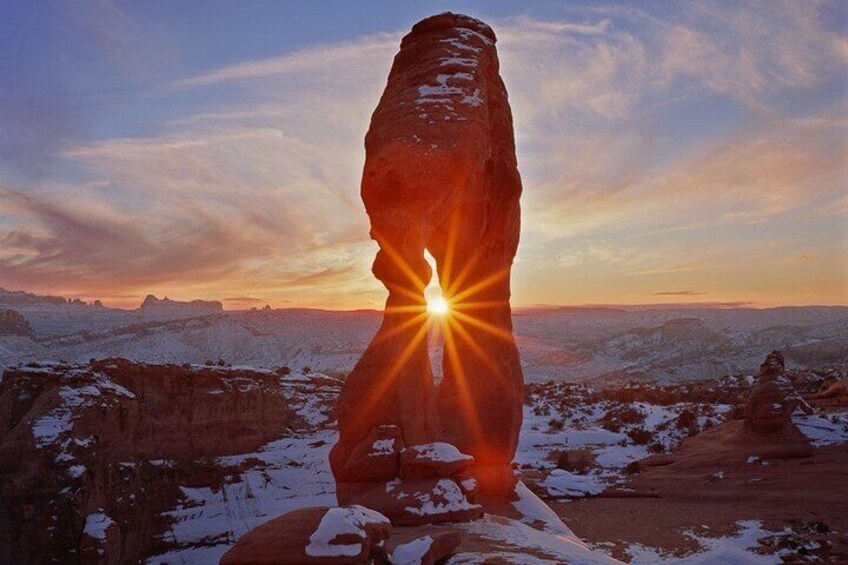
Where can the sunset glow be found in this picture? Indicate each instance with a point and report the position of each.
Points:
(659, 164)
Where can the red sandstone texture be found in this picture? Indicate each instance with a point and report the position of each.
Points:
(91, 455)
(441, 175)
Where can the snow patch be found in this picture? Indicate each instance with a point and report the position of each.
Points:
(411, 553)
(339, 522)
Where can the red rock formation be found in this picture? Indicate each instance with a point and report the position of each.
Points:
(773, 399)
(91, 455)
(441, 175)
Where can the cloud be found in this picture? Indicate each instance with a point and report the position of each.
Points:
(680, 293)
(309, 60)
(258, 193)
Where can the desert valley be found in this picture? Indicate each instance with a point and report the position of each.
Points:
(171, 430)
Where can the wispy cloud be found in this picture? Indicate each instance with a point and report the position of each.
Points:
(680, 293)
(257, 196)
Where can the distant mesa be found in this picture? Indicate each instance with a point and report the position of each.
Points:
(152, 303)
(22, 298)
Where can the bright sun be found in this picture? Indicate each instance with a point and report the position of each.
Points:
(437, 305)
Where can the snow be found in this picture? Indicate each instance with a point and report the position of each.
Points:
(80, 388)
(339, 522)
(411, 553)
(726, 550)
(822, 431)
(439, 451)
(467, 33)
(383, 447)
(461, 61)
(76, 471)
(562, 482)
(293, 473)
(512, 534)
(449, 491)
(96, 525)
(332, 342)
(534, 510)
(458, 44)
(474, 99)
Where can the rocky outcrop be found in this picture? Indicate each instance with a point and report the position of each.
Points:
(773, 399)
(14, 323)
(440, 175)
(92, 455)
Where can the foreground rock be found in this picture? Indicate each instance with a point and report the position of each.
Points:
(91, 455)
(327, 536)
(358, 535)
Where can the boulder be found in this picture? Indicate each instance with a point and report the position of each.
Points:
(377, 458)
(315, 535)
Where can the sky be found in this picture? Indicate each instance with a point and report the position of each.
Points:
(671, 152)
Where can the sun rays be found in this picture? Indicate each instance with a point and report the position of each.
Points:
(437, 306)
(458, 308)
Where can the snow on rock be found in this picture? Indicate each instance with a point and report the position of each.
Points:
(562, 482)
(448, 491)
(535, 511)
(821, 430)
(411, 553)
(520, 543)
(96, 524)
(337, 522)
(439, 451)
(383, 446)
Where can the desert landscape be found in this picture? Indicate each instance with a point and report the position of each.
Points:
(641, 415)
(348, 283)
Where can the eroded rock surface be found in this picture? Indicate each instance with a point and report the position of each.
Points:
(441, 175)
(92, 455)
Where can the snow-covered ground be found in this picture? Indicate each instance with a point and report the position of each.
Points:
(573, 344)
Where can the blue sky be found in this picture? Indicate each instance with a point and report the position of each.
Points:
(670, 151)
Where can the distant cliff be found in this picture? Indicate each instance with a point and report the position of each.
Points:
(92, 455)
